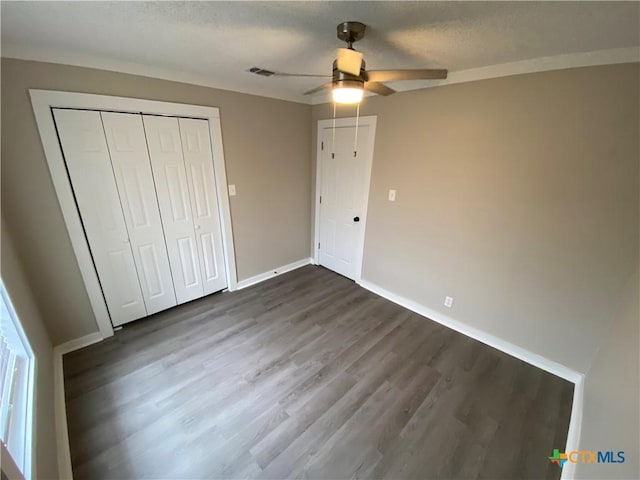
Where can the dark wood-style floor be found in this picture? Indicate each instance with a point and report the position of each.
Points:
(307, 375)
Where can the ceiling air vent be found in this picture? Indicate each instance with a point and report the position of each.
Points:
(261, 71)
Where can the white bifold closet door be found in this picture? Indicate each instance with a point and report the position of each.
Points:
(180, 152)
(94, 186)
(130, 159)
(167, 162)
(145, 189)
(198, 160)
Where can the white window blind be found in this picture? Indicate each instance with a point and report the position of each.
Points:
(16, 384)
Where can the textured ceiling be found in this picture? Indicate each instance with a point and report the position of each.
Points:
(214, 43)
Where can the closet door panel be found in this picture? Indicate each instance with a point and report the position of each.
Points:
(167, 163)
(130, 158)
(94, 186)
(196, 147)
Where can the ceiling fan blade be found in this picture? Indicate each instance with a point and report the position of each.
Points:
(318, 89)
(271, 73)
(283, 74)
(349, 61)
(379, 88)
(396, 75)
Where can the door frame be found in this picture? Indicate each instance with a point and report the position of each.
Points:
(43, 101)
(369, 121)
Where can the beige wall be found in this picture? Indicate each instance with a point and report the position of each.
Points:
(266, 144)
(513, 196)
(612, 393)
(34, 328)
(517, 196)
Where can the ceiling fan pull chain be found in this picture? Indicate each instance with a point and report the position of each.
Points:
(355, 142)
(333, 140)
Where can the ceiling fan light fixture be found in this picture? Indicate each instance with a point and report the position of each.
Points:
(349, 61)
(348, 91)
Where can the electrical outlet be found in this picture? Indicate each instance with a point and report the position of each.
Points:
(392, 195)
(448, 302)
(232, 190)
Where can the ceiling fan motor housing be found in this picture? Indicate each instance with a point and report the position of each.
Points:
(346, 80)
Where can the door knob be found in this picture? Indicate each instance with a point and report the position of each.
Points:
(356, 219)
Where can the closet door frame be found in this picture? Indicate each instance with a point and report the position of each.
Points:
(43, 101)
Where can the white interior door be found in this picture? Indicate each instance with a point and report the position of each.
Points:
(196, 148)
(87, 158)
(344, 188)
(167, 163)
(130, 159)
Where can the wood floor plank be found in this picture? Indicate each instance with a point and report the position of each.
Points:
(307, 375)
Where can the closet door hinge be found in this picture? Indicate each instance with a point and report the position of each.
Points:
(318, 245)
(322, 146)
(320, 198)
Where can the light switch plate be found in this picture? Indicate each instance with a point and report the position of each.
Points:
(392, 195)
(232, 190)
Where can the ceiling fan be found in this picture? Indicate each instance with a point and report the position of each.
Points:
(350, 77)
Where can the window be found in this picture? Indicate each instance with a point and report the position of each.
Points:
(16, 386)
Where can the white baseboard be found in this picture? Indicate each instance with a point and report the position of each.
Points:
(272, 273)
(78, 343)
(575, 428)
(62, 434)
(509, 348)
